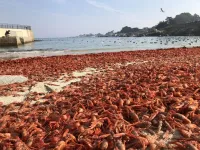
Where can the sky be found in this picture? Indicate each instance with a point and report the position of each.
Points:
(64, 18)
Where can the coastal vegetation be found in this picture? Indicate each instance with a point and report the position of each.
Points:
(183, 24)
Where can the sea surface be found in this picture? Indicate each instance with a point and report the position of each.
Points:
(77, 45)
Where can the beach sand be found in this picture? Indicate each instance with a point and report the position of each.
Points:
(160, 88)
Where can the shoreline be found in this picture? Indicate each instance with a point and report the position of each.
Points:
(33, 54)
(153, 94)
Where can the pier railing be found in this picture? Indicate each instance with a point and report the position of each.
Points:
(14, 26)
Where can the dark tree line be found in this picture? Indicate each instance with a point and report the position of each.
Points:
(183, 18)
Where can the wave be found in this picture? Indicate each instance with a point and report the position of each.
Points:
(31, 50)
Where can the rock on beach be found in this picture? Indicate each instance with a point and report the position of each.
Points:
(11, 79)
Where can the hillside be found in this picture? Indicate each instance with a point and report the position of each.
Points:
(183, 24)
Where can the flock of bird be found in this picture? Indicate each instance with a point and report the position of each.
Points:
(182, 41)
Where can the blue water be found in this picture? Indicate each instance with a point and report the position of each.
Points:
(75, 45)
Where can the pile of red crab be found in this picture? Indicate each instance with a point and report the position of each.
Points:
(154, 104)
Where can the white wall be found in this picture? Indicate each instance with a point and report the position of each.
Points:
(26, 34)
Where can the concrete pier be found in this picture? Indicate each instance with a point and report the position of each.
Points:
(18, 35)
(10, 41)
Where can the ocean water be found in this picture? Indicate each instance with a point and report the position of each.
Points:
(76, 45)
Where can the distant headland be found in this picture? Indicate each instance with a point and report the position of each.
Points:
(183, 24)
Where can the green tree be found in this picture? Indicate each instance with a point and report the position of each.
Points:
(196, 17)
(161, 25)
(169, 20)
(126, 29)
(183, 18)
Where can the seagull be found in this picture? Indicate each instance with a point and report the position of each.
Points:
(162, 10)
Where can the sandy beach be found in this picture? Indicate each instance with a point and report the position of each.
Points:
(129, 100)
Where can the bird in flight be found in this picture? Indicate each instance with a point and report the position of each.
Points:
(162, 10)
